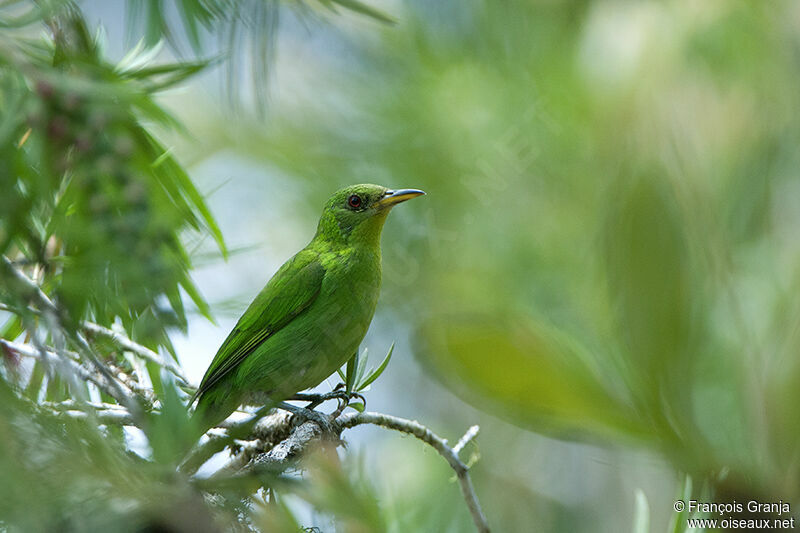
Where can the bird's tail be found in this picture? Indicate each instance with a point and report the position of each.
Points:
(211, 410)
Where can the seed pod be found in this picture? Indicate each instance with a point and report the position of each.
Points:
(58, 127)
(45, 89)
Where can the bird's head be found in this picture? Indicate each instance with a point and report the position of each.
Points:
(357, 213)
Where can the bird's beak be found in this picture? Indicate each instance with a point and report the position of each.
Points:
(391, 197)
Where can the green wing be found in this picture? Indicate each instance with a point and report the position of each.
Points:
(290, 292)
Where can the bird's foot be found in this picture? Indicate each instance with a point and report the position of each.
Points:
(338, 393)
(346, 398)
(341, 394)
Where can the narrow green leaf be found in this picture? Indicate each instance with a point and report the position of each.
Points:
(162, 158)
(34, 14)
(56, 389)
(170, 432)
(193, 292)
(678, 522)
(154, 371)
(641, 514)
(360, 7)
(137, 72)
(156, 26)
(191, 13)
(375, 374)
(350, 373)
(34, 386)
(171, 74)
(362, 367)
(187, 189)
(176, 302)
(10, 123)
(12, 328)
(358, 406)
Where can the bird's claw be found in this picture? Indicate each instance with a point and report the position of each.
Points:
(347, 396)
(343, 399)
(340, 393)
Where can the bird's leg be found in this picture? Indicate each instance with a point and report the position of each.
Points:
(305, 397)
(314, 399)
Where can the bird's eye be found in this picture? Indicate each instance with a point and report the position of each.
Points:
(354, 201)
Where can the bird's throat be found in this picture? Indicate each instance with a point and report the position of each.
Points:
(368, 232)
(364, 233)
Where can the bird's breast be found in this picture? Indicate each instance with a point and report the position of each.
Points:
(324, 336)
(348, 297)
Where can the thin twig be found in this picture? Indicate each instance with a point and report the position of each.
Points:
(103, 413)
(412, 427)
(98, 412)
(275, 428)
(142, 351)
(118, 392)
(72, 405)
(49, 357)
(31, 285)
(145, 393)
(113, 417)
(466, 439)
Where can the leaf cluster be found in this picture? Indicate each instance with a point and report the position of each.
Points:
(92, 199)
(97, 225)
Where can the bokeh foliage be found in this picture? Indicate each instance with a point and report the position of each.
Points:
(607, 253)
(97, 212)
(89, 194)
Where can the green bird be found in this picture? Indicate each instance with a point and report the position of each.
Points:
(311, 316)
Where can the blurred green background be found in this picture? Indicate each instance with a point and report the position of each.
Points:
(602, 275)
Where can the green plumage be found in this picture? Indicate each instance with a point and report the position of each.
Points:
(313, 313)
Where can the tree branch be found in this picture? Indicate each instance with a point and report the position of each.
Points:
(115, 386)
(268, 429)
(103, 413)
(300, 437)
(275, 434)
(51, 311)
(71, 365)
(266, 455)
(289, 448)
